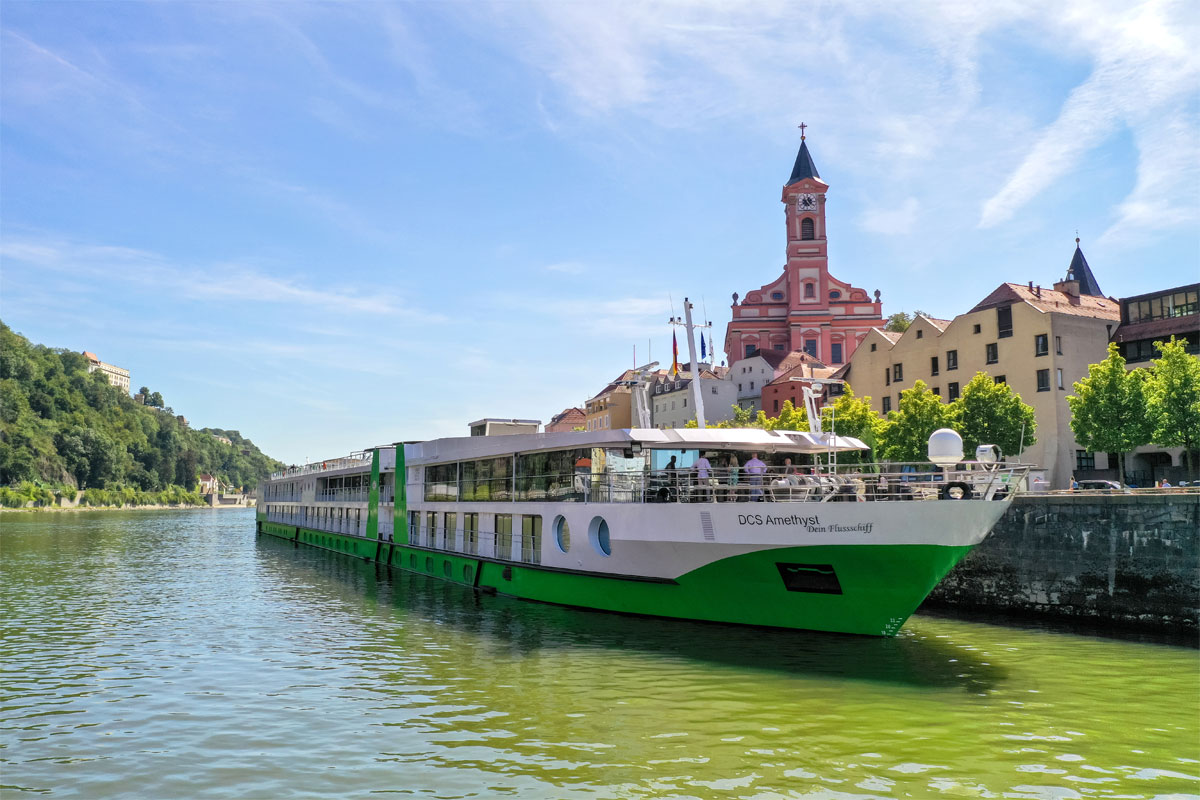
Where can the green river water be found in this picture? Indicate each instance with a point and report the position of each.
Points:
(176, 655)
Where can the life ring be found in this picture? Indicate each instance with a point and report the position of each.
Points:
(962, 487)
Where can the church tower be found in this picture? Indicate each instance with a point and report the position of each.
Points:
(806, 308)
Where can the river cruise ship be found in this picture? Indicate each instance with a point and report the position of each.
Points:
(743, 526)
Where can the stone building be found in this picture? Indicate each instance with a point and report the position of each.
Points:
(566, 421)
(805, 308)
(1037, 340)
(753, 373)
(673, 406)
(117, 376)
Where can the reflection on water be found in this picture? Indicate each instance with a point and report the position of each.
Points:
(175, 655)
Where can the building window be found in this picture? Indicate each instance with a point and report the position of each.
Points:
(993, 353)
(952, 392)
(776, 295)
(807, 229)
(920, 334)
(1000, 379)
(1041, 345)
(776, 406)
(1058, 345)
(951, 360)
(739, 387)
(887, 404)
(887, 377)
(835, 295)
(835, 352)
(1084, 460)
(810, 347)
(751, 385)
(810, 290)
(1060, 381)
(1043, 380)
(1004, 321)
(872, 347)
(897, 372)
(933, 365)
(778, 347)
(750, 350)
(978, 328)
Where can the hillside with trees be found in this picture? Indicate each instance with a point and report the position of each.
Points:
(63, 426)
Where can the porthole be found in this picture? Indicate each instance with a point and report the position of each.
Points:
(429, 565)
(598, 534)
(562, 534)
(446, 568)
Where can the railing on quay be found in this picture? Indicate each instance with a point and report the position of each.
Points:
(844, 483)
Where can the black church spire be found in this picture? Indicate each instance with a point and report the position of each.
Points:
(1080, 271)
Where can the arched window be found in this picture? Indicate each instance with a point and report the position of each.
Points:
(810, 289)
(807, 229)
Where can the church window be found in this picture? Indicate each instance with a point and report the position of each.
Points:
(834, 295)
(807, 229)
(750, 350)
(776, 295)
(835, 353)
(778, 347)
(810, 347)
(810, 290)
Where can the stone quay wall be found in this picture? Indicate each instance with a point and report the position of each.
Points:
(1121, 560)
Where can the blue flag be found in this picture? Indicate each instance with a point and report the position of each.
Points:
(703, 352)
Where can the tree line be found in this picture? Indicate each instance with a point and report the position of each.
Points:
(63, 427)
(986, 413)
(1116, 410)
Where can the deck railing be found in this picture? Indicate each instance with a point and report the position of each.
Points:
(845, 483)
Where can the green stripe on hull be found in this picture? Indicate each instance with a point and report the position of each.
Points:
(881, 585)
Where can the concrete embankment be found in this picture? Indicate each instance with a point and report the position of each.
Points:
(1121, 560)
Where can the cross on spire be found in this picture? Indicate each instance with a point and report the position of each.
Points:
(802, 126)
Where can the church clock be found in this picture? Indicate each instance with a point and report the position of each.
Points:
(806, 202)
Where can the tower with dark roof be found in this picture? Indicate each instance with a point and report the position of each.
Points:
(1081, 272)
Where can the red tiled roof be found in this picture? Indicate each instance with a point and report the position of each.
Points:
(1052, 301)
(804, 370)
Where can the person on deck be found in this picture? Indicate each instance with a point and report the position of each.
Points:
(755, 468)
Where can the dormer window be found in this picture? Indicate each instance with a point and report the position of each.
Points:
(807, 229)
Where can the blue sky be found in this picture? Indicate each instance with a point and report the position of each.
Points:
(335, 225)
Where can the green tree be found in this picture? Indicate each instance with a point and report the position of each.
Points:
(899, 322)
(1108, 409)
(905, 434)
(992, 413)
(1173, 397)
(156, 400)
(854, 417)
(790, 418)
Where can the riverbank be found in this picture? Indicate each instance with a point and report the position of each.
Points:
(54, 509)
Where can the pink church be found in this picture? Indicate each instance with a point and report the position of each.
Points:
(805, 308)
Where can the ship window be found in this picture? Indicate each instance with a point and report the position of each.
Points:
(531, 539)
(504, 536)
(431, 529)
(598, 534)
(471, 532)
(449, 530)
(446, 568)
(562, 534)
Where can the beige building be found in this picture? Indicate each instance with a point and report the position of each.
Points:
(612, 408)
(673, 406)
(117, 376)
(1039, 341)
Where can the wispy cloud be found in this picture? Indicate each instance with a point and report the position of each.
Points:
(144, 271)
